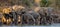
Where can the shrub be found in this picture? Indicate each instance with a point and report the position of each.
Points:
(44, 3)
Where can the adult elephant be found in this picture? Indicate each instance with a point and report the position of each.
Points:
(27, 19)
(31, 15)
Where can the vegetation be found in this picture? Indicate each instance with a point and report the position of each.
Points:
(44, 3)
(27, 3)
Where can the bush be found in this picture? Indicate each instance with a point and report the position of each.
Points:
(44, 3)
(27, 3)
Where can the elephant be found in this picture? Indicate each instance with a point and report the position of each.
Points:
(27, 19)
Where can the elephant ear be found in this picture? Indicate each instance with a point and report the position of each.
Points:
(18, 7)
(6, 10)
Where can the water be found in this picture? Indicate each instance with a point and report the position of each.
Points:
(53, 25)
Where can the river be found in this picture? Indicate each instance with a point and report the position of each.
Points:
(53, 25)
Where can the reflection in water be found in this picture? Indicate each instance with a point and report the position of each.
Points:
(53, 25)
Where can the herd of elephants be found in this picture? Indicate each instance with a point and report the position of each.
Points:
(29, 17)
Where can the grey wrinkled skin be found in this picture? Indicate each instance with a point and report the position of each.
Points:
(45, 16)
(34, 14)
(31, 16)
(26, 18)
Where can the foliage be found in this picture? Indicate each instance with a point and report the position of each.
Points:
(27, 2)
(44, 3)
